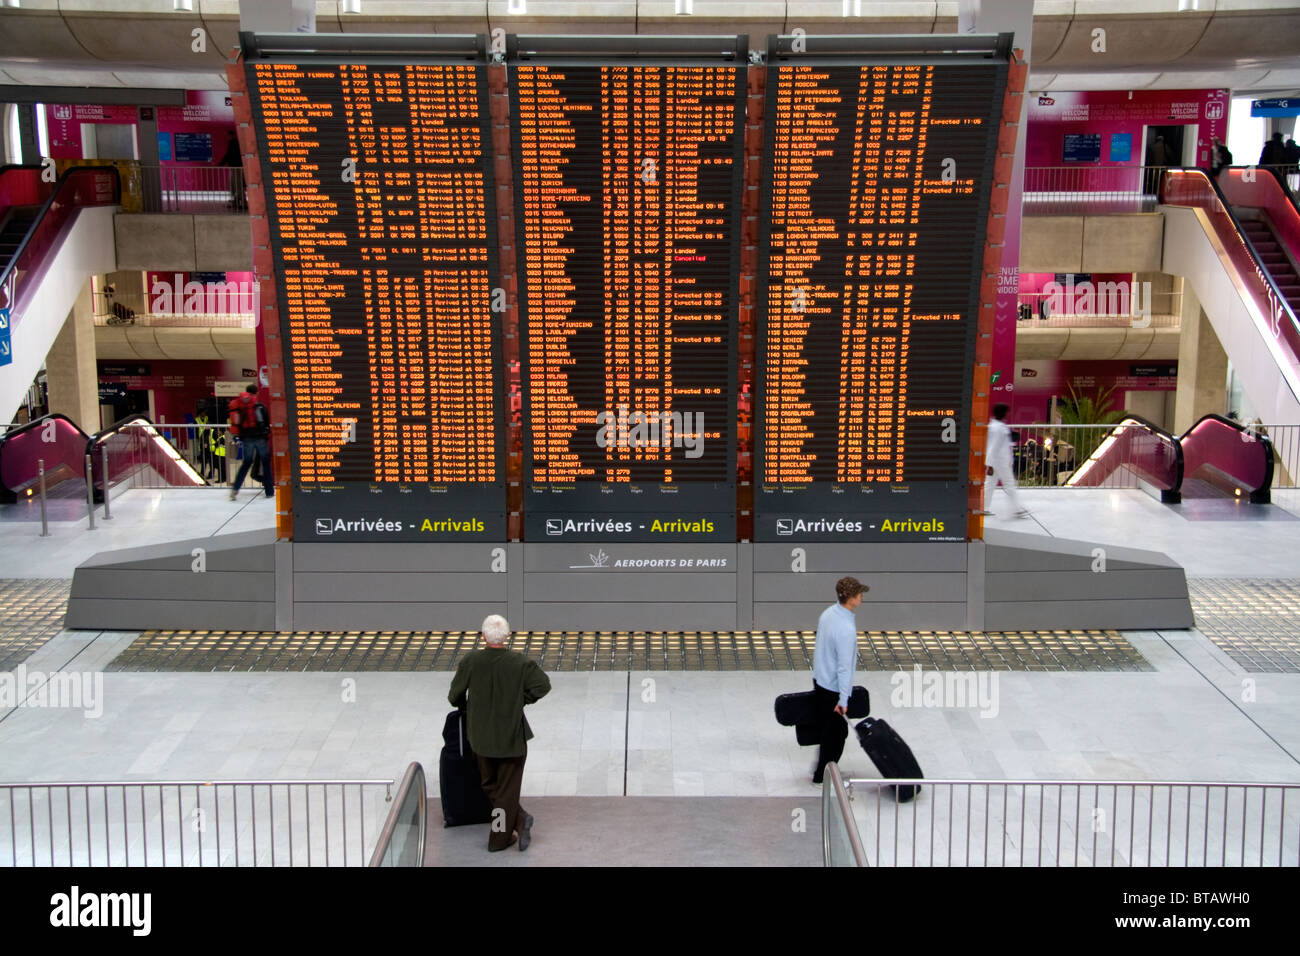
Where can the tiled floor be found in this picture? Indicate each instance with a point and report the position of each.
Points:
(1196, 714)
(1255, 622)
(31, 612)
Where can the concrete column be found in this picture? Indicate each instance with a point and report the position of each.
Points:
(1202, 366)
(70, 370)
(277, 16)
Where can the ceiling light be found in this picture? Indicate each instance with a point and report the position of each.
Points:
(349, 6)
(1186, 5)
(183, 6)
(853, 5)
(685, 8)
(11, 3)
(516, 6)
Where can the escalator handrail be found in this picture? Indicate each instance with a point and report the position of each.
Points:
(1265, 443)
(1254, 253)
(68, 177)
(92, 441)
(1286, 190)
(1127, 421)
(1262, 273)
(34, 424)
(1260, 437)
(135, 418)
(38, 423)
(117, 426)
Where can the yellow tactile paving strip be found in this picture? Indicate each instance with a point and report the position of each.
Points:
(31, 612)
(1255, 621)
(626, 650)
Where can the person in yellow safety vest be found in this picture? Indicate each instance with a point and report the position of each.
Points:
(217, 442)
(203, 444)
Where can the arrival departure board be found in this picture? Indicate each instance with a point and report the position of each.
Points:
(628, 202)
(380, 200)
(876, 183)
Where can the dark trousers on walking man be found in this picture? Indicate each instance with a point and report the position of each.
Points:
(502, 779)
(260, 448)
(834, 728)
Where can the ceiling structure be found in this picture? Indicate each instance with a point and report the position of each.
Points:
(1249, 46)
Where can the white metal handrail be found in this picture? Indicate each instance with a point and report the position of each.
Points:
(191, 822)
(956, 822)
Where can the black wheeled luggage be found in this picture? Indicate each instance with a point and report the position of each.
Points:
(459, 782)
(891, 755)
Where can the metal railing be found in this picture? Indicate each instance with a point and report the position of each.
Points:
(841, 845)
(1079, 189)
(210, 450)
(193, 189)
(1078, 823)
(1046, 455)
(401, 842)
(138, 309)
(191, 823)
(1098, 305)
(1286, 452)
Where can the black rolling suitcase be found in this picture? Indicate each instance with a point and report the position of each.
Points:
(459, 782)
(890, 754)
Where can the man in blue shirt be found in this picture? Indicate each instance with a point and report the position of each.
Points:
(833, 662)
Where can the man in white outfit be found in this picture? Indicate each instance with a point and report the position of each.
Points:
(998, 456)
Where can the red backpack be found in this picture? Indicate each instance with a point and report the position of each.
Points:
(248, 417)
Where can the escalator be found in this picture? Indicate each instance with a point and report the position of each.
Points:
(1267, 218)
(53, 236)
(1215, 458)
(138, 455)
(1274, 257)
(1236, 242)
(15, 224)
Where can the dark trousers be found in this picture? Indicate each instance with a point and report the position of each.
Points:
(502, 778)
(834, 728)
(260, 448)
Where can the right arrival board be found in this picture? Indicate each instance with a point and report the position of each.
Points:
(876, 181)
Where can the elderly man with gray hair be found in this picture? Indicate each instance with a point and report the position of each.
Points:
(499, 683)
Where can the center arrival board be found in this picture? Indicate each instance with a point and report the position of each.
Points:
(380, 200)
(628, 208)
(876, 180)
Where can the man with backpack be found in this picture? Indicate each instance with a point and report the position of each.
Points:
(251, 424)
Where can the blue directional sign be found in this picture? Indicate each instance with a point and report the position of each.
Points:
(1275, 107)
(6, 348)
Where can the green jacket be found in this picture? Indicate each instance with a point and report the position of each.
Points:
(499, 682)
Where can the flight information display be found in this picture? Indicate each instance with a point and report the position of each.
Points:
(380, 199)
(876, 181)
(628, 207)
